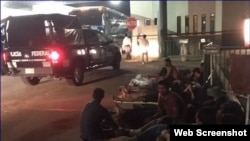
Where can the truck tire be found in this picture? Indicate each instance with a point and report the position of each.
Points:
(77, 76)
(31, 80)
(117, 61)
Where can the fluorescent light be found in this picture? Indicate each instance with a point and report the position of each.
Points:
(246, 32)
(51, 7)
(115, 2)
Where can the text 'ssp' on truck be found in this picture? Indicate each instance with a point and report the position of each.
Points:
(38, 46)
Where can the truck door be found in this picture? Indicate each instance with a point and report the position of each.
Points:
(93, 47)
(106, 49)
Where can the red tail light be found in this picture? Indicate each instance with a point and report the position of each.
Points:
(55, 55)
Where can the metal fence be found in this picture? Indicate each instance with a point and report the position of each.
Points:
(173, 47)
(222, 64)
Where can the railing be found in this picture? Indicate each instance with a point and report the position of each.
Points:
(173, 45)
(223, 66)
(172, 48)
(224, 62)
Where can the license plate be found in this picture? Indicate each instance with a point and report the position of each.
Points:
(46, 64)
(29, 71)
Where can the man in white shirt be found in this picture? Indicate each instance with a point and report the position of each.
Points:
(126, 46)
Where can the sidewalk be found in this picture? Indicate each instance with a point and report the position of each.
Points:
(191, 63)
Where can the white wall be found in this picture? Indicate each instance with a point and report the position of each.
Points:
(218, 16)
(176, 8)
(144, 8)
(198, 8)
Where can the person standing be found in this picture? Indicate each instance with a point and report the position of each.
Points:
(143, 45)
(93, 117)
(127, 46)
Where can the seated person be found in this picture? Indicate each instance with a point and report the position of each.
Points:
(93, 117)
(201, 73)
(170, 103)
(206, 116)
(193, 85)
(161, 74)
(172, 72)
(230, 110)
(169, 73)
(171, 107)
(157, 132)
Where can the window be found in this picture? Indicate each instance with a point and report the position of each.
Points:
(74, 36)
(178, 25)
(155, 21)
(147, 21)
(212, 23)
(195, 24)
(91, 38)
(102, 39)
(47, 27)
(186, 24)
(203, 24)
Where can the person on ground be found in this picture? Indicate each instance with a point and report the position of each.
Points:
(95, 118)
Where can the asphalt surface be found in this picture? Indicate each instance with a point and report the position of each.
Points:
(50, 111)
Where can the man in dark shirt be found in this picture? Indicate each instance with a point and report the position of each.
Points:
(169, 72)
(92, 118)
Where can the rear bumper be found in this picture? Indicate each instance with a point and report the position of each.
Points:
(36, 69)
(40, 72)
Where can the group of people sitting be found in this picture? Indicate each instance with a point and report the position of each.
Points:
(182, 99)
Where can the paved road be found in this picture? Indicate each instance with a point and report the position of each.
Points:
(50, 111)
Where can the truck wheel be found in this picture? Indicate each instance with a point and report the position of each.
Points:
(117, 61)
(31, 80)
(77, 76)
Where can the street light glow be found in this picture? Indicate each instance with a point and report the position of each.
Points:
(49, 7)
(115, 2)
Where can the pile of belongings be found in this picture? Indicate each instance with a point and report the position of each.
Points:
(140, 81)
(135, 90)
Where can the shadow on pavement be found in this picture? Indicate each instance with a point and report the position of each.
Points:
(101, 75)
(46, 131)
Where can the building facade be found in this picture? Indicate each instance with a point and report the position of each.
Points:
(220, 22)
